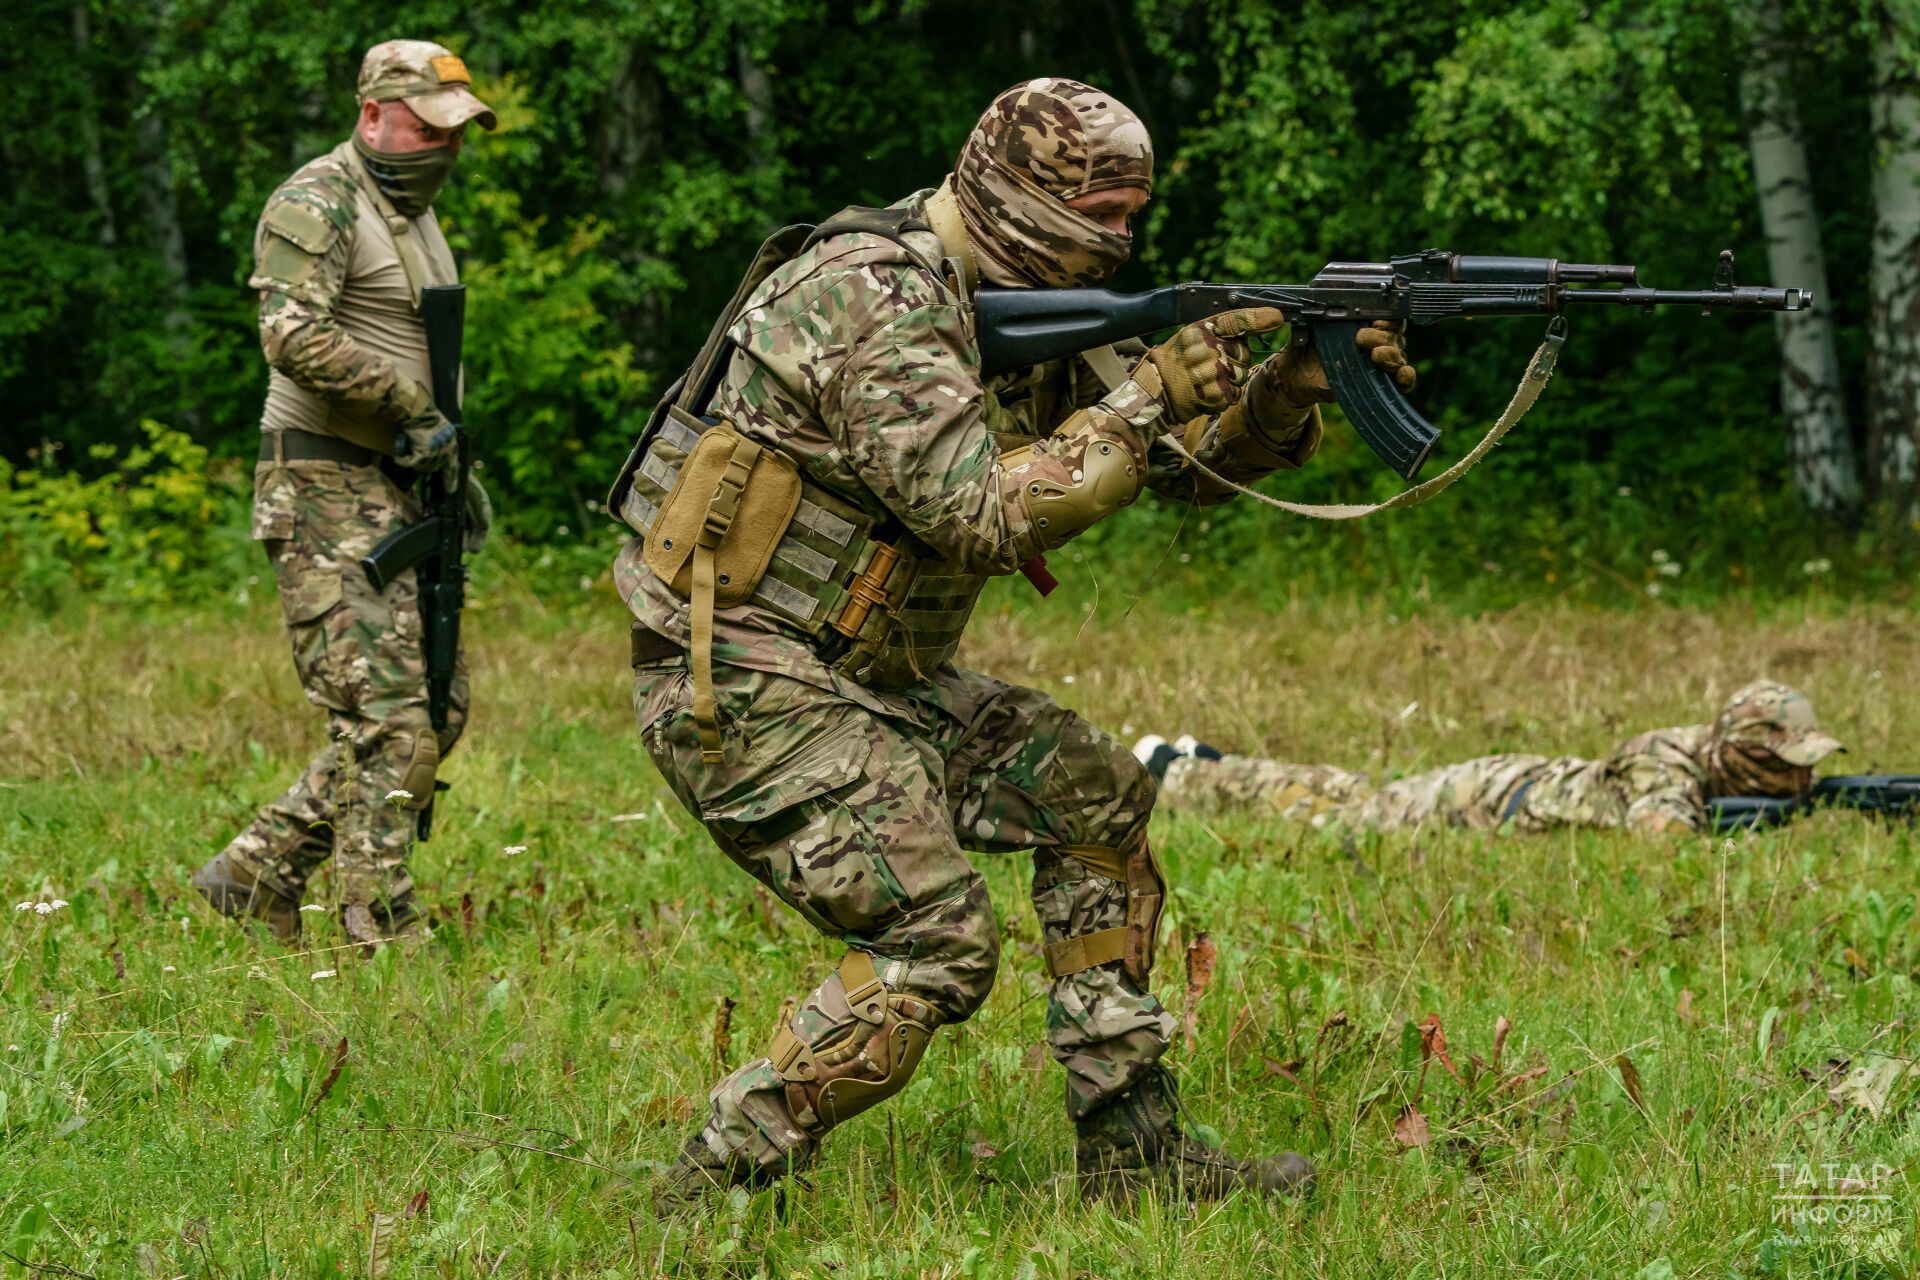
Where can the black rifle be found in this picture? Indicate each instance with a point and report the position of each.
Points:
(1887, 793)
(1022, 327)
(435, 543)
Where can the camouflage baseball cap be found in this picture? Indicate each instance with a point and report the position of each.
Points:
(429, 78)
(1778, 718)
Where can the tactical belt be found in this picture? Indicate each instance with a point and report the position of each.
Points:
(296, 445)
(649, 646)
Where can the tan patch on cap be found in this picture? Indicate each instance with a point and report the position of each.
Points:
(451, 70)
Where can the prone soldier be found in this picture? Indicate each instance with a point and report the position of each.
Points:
(1765, 742)
(342, 252)
(818, 505)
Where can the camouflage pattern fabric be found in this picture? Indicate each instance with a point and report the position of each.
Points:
(1655, 782)
(325, 328)
(860, 817)
(1039, 145)
(430, 78)
(855, 359)
(357, 652)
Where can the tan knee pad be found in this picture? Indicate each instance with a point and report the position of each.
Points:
(1133, 943)
(425, 762)
(874, 1060)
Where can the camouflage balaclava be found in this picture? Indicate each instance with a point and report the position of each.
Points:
(1039, 145)
(1765, 736)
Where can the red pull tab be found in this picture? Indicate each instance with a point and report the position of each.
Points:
(1036, 573)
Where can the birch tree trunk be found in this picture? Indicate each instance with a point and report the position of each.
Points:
(1825, 474)
(1893, 375)
(91, 164)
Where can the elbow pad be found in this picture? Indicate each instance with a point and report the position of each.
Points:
(1057, 488)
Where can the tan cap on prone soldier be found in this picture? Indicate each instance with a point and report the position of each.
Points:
(430, 78)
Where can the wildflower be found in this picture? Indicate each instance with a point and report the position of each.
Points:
(13, 1048)
(313, 906)
(326, 973)
(1653, 589)
(399, 794)
(24, 906)
(1658, 557)
(167, 968)
(1626, 491)
(1670, 569)
(1066, 679)
(514, 848)
(586, 583)
(1812, 567)
(241, 596)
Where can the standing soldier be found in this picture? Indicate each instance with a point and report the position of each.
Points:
(341, 254)
(1764, 743)
(820, 503)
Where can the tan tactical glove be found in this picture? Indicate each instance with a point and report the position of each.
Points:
(1204, 366)
(479, 512)
(1297, 378)
(425, 439)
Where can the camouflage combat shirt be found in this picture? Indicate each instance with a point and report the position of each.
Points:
(858, 360)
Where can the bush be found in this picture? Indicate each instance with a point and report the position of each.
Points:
(165, 524)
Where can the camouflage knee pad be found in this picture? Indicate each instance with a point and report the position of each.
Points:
(865, 1064)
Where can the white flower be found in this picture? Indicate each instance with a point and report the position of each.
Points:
(13, 1048)
(167, 968)
(313, 906)
(1066, 679)
(1653, 589)
(1626, 491)
(586, 583)
(515, 848)
(241, 596)
(398, 794)
(43, 908)
(326, 973)
(1659, 557)
(24, 906)
(1670, 569)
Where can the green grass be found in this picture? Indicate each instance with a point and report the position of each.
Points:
(167, 1110)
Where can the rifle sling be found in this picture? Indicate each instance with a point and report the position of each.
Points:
(1532, 383)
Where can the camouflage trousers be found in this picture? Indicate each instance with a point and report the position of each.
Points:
(358, 655)
(1535, 793)
(862, 823)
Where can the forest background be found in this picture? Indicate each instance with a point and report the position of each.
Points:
(647, 145)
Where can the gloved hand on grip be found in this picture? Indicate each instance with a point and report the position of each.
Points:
(1295, 374)
(1204, 366)
(425, 439)
(479, 511)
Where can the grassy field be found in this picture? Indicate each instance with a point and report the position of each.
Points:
(182, 1098)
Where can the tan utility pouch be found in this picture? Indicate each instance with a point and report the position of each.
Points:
(716, 531)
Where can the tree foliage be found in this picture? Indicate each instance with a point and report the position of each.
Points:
(648, 144)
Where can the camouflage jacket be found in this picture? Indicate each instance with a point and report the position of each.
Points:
(857, 359)
(1655, 781)
(339, 274)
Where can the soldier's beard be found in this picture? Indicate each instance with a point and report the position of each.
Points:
(1742, 769)
(410, 179)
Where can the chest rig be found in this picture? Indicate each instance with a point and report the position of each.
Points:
(730, 521)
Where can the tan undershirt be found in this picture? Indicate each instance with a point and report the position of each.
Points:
(376, 309)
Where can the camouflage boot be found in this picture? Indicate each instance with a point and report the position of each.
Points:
(697, 1173)
(1137, 1141)
(233, 890)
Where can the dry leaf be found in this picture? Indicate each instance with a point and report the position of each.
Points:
(723, 1032)
(1501, 1030)
(1870, 1087)
(1433, 1043)
(1278, 1068)
(326, 1085)
(677, 1109)
(1523, 1077)
(1201, 954)
(1630, 1077)
(1410, 1129)
(981, 1149)
(1684, 1007)
(1856, 962)
(417, 1205)
(380, 1246)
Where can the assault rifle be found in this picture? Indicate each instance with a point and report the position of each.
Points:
(1022, 327)
(435, 543)
(1894, 794)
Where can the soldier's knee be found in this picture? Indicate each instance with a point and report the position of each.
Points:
(957, 957)
(421, 751)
